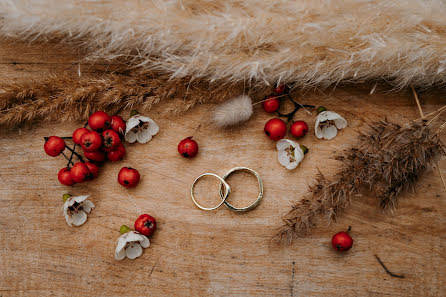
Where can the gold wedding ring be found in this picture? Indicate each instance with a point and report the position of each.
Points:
(222, 181)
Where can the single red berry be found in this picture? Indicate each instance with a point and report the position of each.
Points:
(91, 141)
(342, 241)
(299, 129)
(271, 104)
(145, 224)
(94, 170)
(96, 156)
(117, 154)
(99, 121)
(279, 89)
(128, 177)
(80, 172)
(77, 134)
(275, 129)
(118, 124)
(110, 140)
(188, 147)
(54, 145)
(64, 177)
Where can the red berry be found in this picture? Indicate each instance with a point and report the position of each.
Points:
(91, 141)
(54, 145)
(188, 147)
(64, 177)
(110, 140)
(145, 224)
(275, 129)
(117, 154)
(99, 121)
(96, 156)
(118, 124)
(128, 177)
(279, 89)
(342, 241)
(77, 134)
(299, 129)
(271, 104)
(80, 172)
(94, 169)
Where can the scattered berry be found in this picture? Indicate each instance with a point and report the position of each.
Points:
(80, 172)
(275, 129)
(188, 147)
(99, 121)
(96, 156)
(110, 140)
(279, 89)
(271, 104)
(128, 177)
(64, 177)
(54, 145)
(145, 224)
(299, 129)
(118, 124)
(117, 154)
(342, 241)
(91, 141)
(94, 170)
(77, 134)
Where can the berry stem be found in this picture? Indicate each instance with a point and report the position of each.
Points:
(69, 159)
(72, 153)
(297, 106)
(77, 155)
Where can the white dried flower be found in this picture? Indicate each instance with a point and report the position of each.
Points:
(75, 210)
(140, 128)
(290, 153)
(130, 245)
(327, 124)
(233, 112)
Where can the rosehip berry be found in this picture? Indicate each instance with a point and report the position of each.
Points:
(77, 134)
(128, 177)
(342, 241)
(64, 177)
(299, 129)
(80, 172)
(188, 147)
(275, 129)
(96, 156)
(110, 140)
(145, 224)
(94, 170)
(271, 104)
(91, 141)
(118, 124)
(117, 154)
(54, 145)
(99, 121)
(279, 89)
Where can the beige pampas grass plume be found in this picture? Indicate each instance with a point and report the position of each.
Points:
(234, 111)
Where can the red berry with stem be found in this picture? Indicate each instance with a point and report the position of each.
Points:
(54, 146)
(77, 134)
(99, 121)
(91, 141)
(96, 156)
(188, 147)
(299, 129)
(128, 177)
(271, 104)
(80, 172)
(94, 170)
(275, 129)
(110, 139)
(117, 154)
(64, 177)
(279, 89)
(342, 241)
(145, 224)
(118, 124)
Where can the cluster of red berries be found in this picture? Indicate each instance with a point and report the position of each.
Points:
(276, 128)
(101, 143)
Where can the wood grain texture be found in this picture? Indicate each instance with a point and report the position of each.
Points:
(218, 253)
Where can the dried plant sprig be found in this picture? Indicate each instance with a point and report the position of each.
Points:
(387, 160)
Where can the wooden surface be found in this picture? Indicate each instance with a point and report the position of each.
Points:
(218, 253)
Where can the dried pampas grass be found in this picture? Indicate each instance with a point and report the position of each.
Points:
(306, 42)
(387, 160)
(233, 112)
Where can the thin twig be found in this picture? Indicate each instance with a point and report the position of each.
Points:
(387, 270)
(417, 101)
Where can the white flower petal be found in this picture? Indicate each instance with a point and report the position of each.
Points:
(130, 136)
(134, 121)
(79, 218)
(145, 243)
(329, 132)
(121, 242)
(153, 127)
(292, 165)
(285, 143)
(120, 253)
(78, 199)
(87, 206)
(143, 136)
(132, 236)
(318, 130)
(68, 219)
(340, 123)
(299, 154)
(284, 158)
(133, 251)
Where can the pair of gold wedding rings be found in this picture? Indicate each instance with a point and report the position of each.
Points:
(227, 190)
